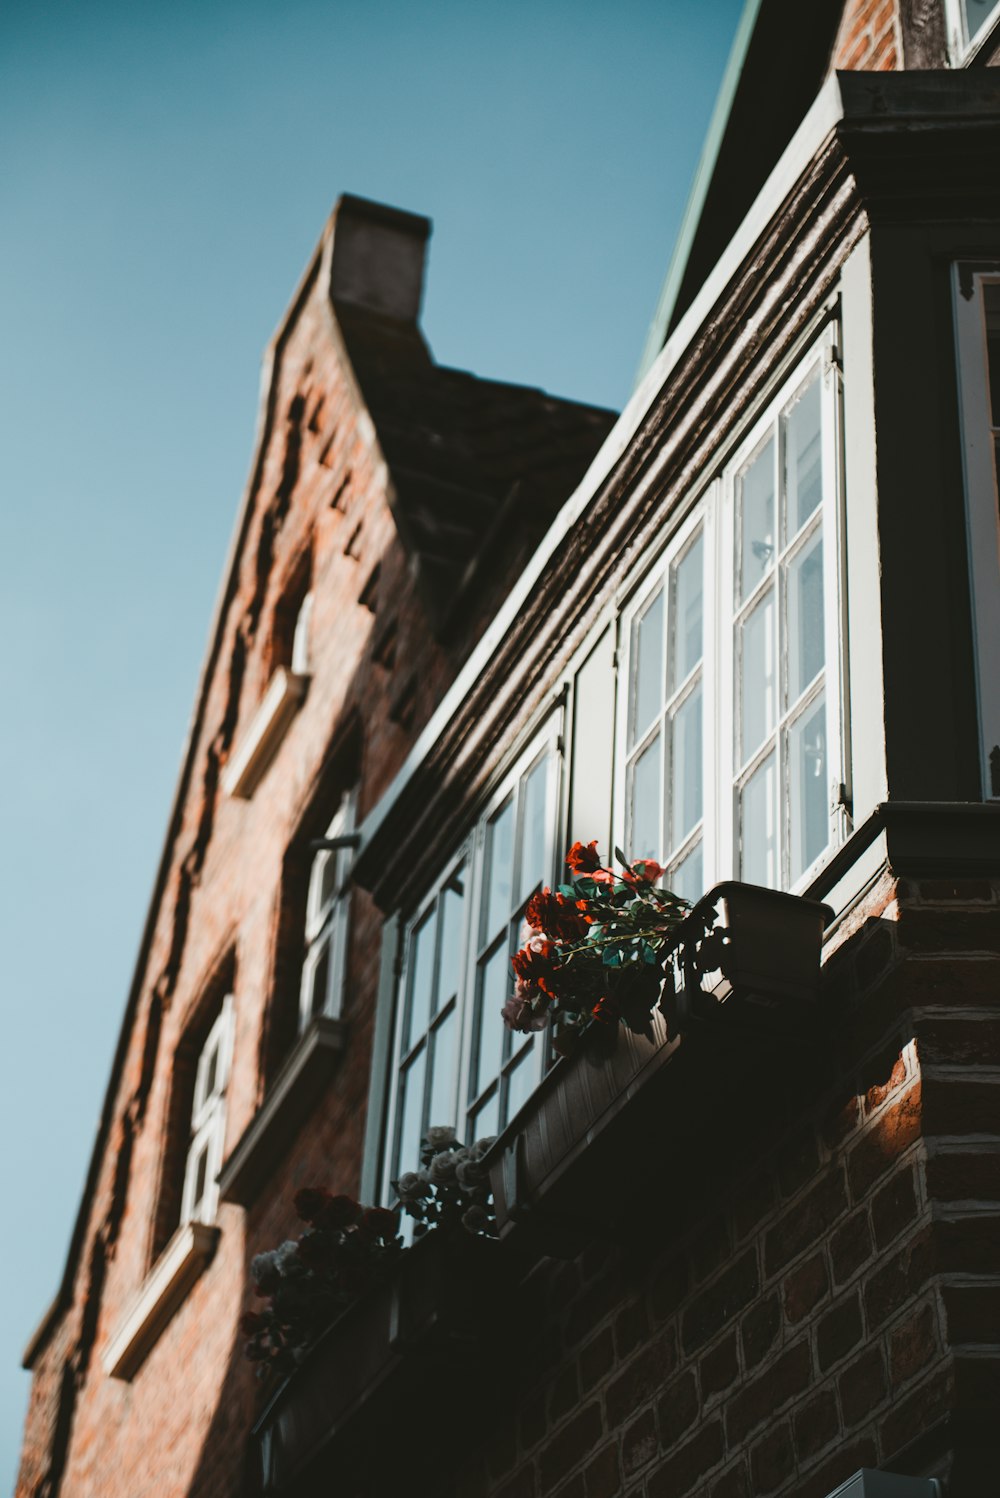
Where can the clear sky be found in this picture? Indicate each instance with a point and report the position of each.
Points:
(165, 171)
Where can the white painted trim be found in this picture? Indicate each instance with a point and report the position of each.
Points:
(546, 740)
(298, 1084)
(327, 927)
(981, 504)
(826, 112)
(962, 47)
(264, 733)
(172, 1276)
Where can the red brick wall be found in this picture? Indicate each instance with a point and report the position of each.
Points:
(322, 483)
(868, 37)
(830, 1294)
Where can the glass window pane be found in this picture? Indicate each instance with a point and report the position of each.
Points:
(442, 1106)
(687, 879)
(452, 928)
(686, 761)
(804, 601)
(756, 511)
(411, 1115)
(977, 13)
(534, 828)
(647, 778)
(328, 880)
(757, 676)
(495, 982)
(687, 589)
(520, 1082)
(498, 895)
(803, 457)
(647, 672)
(809, 818)
(991, 304)
(421, 978)
(758, 826)
(486, 1121)
(317, 979)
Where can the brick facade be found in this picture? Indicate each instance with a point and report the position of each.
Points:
(807, 1282)
(772, 1322)
(868, 38)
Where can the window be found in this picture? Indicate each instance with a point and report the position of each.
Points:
(968, 22)
(289, 646)
(454, 1061)
(730, 727)
(200, 1194)
(326, 918)
(977, 319)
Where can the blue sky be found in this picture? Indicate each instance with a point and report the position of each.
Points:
(165, 171)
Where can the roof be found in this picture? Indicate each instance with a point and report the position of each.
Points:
(779, 58)
(464, 454)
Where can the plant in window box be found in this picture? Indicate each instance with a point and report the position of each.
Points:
(345, 1249)
(405, 1328)
(451, 1188)
(595, 949)
(608, 948)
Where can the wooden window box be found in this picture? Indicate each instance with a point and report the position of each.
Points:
(417, 1345)
(585, 1145)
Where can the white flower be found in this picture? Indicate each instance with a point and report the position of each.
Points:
(441, 1137)
(263, 1265)
(411, 1185)
(469, 1173)
(443, 1168)
(287, 1261)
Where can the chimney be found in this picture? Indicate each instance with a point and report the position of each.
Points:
(378, 257)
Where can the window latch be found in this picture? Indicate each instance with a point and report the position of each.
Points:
(841, 798)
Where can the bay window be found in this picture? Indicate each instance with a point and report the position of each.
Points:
(730, 724)
(454, 1062)
(721, 714)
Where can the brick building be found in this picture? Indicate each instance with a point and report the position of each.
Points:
(745, 628)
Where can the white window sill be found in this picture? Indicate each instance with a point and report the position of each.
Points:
(296, 1089)
(256, 748)
(172, 1276)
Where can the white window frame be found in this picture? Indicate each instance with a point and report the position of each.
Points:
(208, 1120)
(822, 366)
(702, 517)
(300, 664)
(327, 922)
(715, 510)
(981, 502)
(472, 853)
(961, 44)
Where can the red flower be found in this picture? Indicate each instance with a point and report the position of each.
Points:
(557, 916)
(605, 1011)
(317, 1251)
(643, 871)
(311, 1202)
(251, 1323)
(583, 860)
(534, 964)
(340, 1212)
(381, 1223)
